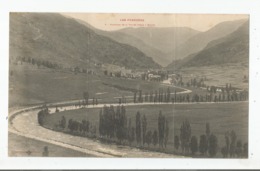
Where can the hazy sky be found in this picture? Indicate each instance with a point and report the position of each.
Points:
(114, 21)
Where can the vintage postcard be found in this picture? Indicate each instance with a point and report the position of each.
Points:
(128, 85)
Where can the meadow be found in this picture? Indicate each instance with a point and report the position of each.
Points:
(222, 117)
(219, 75)
(30, 85)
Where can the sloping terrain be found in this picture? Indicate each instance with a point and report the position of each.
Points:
(124, 38)
(65, 41)
(233, 48)
(200, 41)
(159, 42)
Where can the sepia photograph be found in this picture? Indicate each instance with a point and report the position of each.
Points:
(128, 85)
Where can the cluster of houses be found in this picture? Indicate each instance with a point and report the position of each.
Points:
(149, 75)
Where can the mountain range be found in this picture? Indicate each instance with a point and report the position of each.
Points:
(200, 41)
(165, 45)
(56, 38)
(72, 42)
(233, 48)
(153, 41)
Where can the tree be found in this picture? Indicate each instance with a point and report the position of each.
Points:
(144, 125)
(140, 98)
(168, 95)
(166, 132)
(175, 96)
(227, 140)
(188, 98)
(224, 151)
(129, 131)
(86, 97)
(70, 126)
(155, 96)
(63, 122)
(85, 126)
(42, 114)
(161, 128)
(155, 138)
(149, 137)
(232, 148)
(245, 149)
(176, 142)
(194, 145)
(185, 135)
(239, 149)
(134, 97)
(207, 131)
(132, 135)
(151, 96)
(203, 147)
(213, 145)
(146, 97)
(45, 152)
(138, 127)
(101, 123)
(57, 110)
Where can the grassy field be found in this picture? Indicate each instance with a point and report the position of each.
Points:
(25, 147)
(219, 75)
(221, 117)
(30, 85)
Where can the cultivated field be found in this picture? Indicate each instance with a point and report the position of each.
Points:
(219, 75)
(30, 85)
(221, 117)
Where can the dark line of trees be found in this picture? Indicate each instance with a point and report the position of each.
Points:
(83, 128)
(233, 147)
(153, 97)
(38, 62)
(114, 125)
(207, 144)
(166, 97)
(49, 64)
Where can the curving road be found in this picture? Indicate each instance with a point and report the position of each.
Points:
(23, 122)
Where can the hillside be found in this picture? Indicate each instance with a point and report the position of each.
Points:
(200, 41)
(65, 41)
(233, 48)
(157, 55)
(159, 42)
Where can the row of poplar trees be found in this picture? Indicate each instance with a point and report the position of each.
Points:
(115, 126)
(153, 96)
